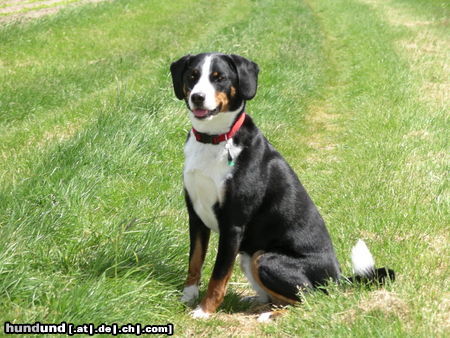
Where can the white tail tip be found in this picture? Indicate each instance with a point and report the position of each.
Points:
(362, 260)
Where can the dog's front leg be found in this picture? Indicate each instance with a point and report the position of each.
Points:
(199, 238)
(229, 243)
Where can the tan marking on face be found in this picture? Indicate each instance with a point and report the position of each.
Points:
(276, 297)
(222, 99)
(186, 92)
(232, 91)
(195, 264)
(216, 293)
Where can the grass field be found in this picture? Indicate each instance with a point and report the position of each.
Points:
(354, 93)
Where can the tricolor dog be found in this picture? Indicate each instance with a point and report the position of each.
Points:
(237, 185)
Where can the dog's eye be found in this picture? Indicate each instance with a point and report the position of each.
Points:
(194, 75)
(218, 77)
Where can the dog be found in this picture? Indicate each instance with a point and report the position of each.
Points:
(237, 185)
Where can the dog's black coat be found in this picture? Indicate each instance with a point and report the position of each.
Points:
(265, 206)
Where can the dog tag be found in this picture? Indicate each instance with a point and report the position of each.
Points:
(230, 158)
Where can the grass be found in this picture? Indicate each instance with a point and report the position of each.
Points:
(91, 208)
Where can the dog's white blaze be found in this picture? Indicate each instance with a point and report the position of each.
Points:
(205, 87)
(190, 294)
(206, 170)
(362, 260)
(246, 268)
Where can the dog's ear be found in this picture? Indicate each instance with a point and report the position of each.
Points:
(177, 69)
(248, 76)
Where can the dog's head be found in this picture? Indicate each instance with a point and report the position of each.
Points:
(213, 83)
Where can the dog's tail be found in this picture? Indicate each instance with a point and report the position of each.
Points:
(364, 266)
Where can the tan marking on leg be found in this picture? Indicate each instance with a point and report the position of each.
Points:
(216, 293)
(195, 264)
(222, 99)
(276, 297)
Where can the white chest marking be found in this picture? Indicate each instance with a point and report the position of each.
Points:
(206, 170)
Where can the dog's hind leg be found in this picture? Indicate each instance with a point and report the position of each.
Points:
(283, 276)
(280, 276)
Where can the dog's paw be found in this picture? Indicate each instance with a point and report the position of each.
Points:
(190, 294)
(265, 317)
(198, 313)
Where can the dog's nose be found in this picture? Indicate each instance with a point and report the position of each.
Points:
(198, 98)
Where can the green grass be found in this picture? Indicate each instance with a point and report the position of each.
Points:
(92, 214)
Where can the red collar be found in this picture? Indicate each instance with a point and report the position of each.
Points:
(216, 139)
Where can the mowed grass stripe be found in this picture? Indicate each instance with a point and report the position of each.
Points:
(50, 64)
(89, 51)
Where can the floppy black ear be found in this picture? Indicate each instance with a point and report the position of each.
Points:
(248, 76)
(177, 69)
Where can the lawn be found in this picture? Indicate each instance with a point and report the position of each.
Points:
(354, 93)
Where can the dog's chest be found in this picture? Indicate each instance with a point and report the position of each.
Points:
(206, 171)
